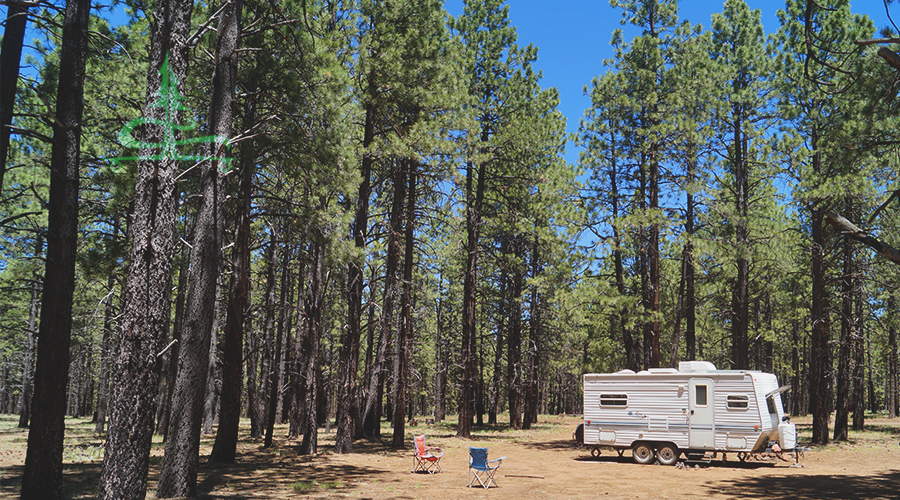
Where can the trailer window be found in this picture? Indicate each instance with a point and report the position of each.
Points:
(737, 401)
(700, 392)
(613, 400)
(770, 402)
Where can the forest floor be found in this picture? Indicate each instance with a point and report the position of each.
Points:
(541, 463)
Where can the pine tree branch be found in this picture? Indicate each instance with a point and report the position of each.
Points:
(890, 56)
(847, 228)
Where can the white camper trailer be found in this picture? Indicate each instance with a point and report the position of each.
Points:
(696, 409)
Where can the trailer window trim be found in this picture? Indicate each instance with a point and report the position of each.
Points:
(614, 400)
(737, 402)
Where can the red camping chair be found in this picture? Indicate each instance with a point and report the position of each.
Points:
(427, 458)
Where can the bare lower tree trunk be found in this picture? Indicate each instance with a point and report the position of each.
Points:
(844, 370)
(275, 373)
(858, 401)
(42, 475)
(213, 376)
(515, 372)
(893, 377)
(178, 477)
(820, 352)
(147, 287)
(28, 353)
(238, 304)
(109, 312)
(314, 306)
(371, 425)
(170, 359)
(404, 332)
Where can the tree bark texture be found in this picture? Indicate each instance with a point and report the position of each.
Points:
(147, 286)
(178, 477)
(844, 370)
(225, 446)
(372, 424)
(42, 475)
(404, 332)
(34, 310)
(474, 200)
(275, 373)
(820, 371)
(314, 308)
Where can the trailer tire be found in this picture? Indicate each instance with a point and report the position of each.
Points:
(642, 453)
(667, 454)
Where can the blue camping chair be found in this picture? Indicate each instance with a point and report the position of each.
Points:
(481, 469)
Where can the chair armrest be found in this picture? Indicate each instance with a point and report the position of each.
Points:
(497, 460)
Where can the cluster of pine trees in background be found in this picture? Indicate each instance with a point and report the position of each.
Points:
(395, 231)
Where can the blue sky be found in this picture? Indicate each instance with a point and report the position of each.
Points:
(573, 37)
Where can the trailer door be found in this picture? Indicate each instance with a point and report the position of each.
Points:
(701, 414)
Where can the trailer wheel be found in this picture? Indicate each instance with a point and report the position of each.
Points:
(595, 452)
(667, 454)
(642, 453)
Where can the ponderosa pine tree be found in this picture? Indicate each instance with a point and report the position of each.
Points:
(42, 476)
(500, 80)
(178, 477)
(126, 458)
(817, 120)
(743, 68)
(644, 63)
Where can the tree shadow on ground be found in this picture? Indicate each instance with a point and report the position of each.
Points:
(884, 429)
(612, 457)
(875, 486)
(558, 445)
(277, 470)
(79, 480)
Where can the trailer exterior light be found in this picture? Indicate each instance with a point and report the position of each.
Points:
(756, 427)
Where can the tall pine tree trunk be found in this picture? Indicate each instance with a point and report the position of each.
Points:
(820, 371)
(893, 365)
(474, 199)
(371, 425)
(30, 334)
(404, 332)
(147, 287)
(225, 445)
(275, 372)
(314, 308)
(42, 475)
(844, 370)
(348, 400)
(10, 56)
(178, 477)
(109, 312)
(515, 373)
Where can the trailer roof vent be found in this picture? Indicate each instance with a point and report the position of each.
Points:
(625, 372)
(696, 366)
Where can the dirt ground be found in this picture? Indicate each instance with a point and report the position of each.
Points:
(540, 463)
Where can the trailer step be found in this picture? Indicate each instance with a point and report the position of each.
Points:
(699, 458)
